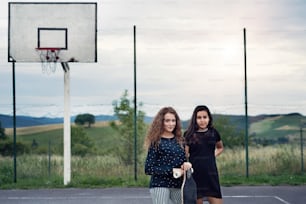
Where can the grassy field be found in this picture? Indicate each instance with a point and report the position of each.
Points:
(46, 128)
(274, 127)
(268, 165)
(100, 132)
(33, 129)
(273, 165)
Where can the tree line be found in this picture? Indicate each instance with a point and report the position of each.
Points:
(82, 144)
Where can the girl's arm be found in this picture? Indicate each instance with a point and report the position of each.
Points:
(152, 167)
(219, 148)
(187, 152)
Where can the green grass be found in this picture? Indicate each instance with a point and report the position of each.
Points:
(104, 138)
(271, 165)
(277, 165)
(276, 127)
(231, 180)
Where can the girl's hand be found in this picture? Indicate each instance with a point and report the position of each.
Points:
(186, 165)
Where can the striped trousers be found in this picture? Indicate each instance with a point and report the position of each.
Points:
(161, 195)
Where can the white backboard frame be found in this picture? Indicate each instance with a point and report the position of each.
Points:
(73, 26)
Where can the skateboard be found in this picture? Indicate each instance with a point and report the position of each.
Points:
(189, 188)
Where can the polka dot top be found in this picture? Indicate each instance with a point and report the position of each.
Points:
(161, 160)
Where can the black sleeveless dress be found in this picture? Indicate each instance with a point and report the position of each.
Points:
(202, 156)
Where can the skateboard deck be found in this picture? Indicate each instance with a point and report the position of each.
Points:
(189, 188)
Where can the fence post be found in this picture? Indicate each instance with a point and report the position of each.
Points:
(303, 124)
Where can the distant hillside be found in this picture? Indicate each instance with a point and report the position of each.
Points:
(277, 127)
(265, 128)
(237, 120)
(269, 128)
(27, 121)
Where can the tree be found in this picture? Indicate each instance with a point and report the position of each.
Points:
(2, 132)
(124, 111)
(7, 148)
(34, 144)
(81, 144)
(230, 135)
(83, 119)
(7, 145)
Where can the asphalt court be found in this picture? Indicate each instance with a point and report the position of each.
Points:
(231, 195)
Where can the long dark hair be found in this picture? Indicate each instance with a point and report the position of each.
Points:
(193, 126)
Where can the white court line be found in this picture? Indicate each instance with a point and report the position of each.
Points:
(75, 197)
(126, 197)
(282, 200)
(246, 196)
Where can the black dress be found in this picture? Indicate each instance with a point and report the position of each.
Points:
(202, 156)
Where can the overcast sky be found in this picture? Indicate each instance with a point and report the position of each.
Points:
(188, 53)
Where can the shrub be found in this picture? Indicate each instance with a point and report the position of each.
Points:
(7, 148)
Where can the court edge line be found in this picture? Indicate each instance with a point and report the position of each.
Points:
(246, 196)
(75, 197)
(127, 197)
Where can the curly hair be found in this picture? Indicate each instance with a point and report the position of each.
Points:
(157, 128)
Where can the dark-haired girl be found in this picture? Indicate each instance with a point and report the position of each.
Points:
(203, 145)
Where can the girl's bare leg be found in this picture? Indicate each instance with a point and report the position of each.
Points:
(200, 201)
(213, 200)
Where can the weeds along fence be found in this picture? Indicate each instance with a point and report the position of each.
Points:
(270, 160)
(109, 170)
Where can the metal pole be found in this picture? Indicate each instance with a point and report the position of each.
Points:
(49, 158)
(135, 109)
(302, 145)
(67, 126)
(246, 107)
(14, 124)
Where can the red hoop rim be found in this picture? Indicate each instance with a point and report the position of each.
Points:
(48, 48)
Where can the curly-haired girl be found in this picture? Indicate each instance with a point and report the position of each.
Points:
(165, 145)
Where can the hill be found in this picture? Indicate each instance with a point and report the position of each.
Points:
(276, 128)
(28, 121)
(262, 128)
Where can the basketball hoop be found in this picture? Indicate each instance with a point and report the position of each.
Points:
(48, 57)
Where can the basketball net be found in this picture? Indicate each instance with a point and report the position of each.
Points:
(49, 58)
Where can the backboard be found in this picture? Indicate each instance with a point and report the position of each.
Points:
(70, 27)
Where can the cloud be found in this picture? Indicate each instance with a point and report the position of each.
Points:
(188, 53)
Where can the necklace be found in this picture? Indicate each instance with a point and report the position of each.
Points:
(202, 130)
(167, 136)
